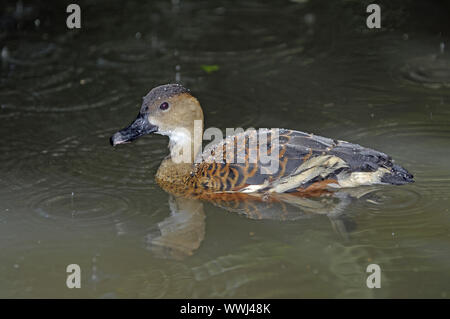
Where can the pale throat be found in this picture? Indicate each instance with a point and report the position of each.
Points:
(184, 145)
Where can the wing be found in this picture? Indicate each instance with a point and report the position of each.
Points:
(292, 161)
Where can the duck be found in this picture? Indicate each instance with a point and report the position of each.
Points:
(301, 163)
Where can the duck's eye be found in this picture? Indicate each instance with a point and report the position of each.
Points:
(164, 106)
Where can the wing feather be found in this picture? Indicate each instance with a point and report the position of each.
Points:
(303, 159)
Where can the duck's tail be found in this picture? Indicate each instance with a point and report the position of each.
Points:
(397, 176)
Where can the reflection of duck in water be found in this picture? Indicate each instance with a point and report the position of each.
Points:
(181, 233)
(306, 165)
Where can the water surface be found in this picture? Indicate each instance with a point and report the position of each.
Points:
(66, 196)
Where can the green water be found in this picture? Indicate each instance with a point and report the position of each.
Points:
(67, 197)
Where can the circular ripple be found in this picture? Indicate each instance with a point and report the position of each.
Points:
(423, 144)
(416, 204)
(94, 160)
(403, 201)
(82, 159)
(431, 71)
(65, 91)
(151, 284)
(87, 208)
(162, 280)
(64, 85)
(24, 161)
(423, 149)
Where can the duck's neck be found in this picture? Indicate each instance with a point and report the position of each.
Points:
(184, 147)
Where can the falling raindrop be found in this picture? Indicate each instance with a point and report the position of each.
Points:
(5, 56)
(177, 73)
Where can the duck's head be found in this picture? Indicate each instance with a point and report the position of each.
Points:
(168, 110)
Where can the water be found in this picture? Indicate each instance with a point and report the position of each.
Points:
(67, 197)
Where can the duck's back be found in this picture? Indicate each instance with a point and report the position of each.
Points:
(291, 161)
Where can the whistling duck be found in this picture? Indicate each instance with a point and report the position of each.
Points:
(304, 162)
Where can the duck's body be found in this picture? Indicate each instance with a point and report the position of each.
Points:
(305, 163)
